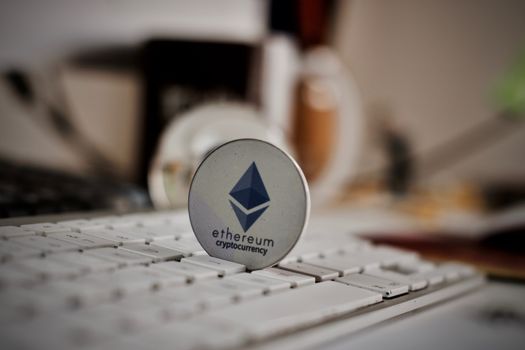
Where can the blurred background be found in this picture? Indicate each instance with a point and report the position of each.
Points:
(412, 107)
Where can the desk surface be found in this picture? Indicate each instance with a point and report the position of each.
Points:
(490, 318)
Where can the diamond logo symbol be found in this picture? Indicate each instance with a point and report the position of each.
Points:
(250, 198)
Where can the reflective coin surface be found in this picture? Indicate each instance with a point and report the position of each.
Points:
(248, 203)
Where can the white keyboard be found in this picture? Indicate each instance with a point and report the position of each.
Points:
(143, 281)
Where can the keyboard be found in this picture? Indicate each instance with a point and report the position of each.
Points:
(143, 281)
(29, 190)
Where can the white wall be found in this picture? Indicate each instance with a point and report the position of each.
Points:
(432, 65)
(34, 30)
(40, 35)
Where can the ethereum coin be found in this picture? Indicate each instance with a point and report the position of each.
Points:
(248, 203)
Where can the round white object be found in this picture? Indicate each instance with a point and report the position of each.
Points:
(187, 140)
(249, 203)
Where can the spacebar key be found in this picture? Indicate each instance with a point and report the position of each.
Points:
(286, 312)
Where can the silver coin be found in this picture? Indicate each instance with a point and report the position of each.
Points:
(248, 203)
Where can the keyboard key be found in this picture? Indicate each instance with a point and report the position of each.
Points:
(45, 268)
(10, 250)
(462, 270)
(389, 256)
(155, 305)
(289, 258)
(156, 253)
(433, 277)
(135, 279)
(160, 279)
(160, 219)
(147, 221)
(12, 275)
(105, 220)
(153, 233)
(120, 256)
(156, 315)
(341, 264)
(111, 318)
(190, 271)
(82, 240)
(82, 292)
(7, 232)
(319, 273)
(45, 244)
(57, 332)
(177, 311)
(75, 225)
(305, 250)
(88, 225)
(183, 335)
(295, 279)
(46, 227)
(88, 263)
(431, 273)
(450, 271)
(222, 266)
(415, 282)
(123, 224)
(387, 288)
(178, 218)
(269, 285)
(116, 236)
(21, 305)
(237, 289)
(189, 247)
(316, 247)
(360, 260)
(196, 297)
(413, 266)
(345, 246)
(282, 312)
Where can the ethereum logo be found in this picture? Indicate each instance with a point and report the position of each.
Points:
(249, 198)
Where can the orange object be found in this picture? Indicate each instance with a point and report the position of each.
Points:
(315, 125)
